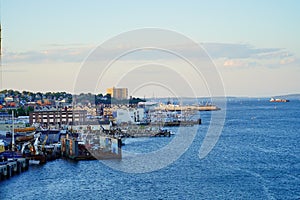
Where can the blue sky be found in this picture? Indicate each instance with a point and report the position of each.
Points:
(252, 43)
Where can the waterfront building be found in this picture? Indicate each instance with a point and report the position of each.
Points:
(90, 127)
(130, 115)
(57, 117)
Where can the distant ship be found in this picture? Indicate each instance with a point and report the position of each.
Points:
(278, 100)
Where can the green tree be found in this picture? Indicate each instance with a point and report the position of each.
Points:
(10, 112)
(29, 109)
(21, 111)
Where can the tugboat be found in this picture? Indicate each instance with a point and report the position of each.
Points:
(278, 100)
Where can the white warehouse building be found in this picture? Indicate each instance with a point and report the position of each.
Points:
(130, 115)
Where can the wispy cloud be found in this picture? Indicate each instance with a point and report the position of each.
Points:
(65, 45)
(232, 51)
(67, 54)
(224, 54)
(239, 63)
(244, 56)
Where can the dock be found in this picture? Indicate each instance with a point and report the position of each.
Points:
(176, 123)
(92, 147)
(13, 167)
(135, 131)
(173, 108)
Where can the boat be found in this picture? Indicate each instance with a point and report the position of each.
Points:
(278, 100)
(25, 137)
(25, 129)
(34, 162)
(36, 159)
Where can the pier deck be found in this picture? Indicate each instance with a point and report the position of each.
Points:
(10, 168)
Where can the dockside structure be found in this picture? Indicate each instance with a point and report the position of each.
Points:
(58, 117)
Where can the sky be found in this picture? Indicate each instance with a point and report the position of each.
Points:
(252, 47)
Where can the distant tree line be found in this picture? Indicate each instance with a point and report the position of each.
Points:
(104, 99)
(84, 99)
(21, 111)
(34, 96)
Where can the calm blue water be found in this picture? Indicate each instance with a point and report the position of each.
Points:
(256, 157)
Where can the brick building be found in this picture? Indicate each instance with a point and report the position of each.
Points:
(58, 117)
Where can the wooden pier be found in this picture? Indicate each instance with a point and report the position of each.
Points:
(10, 168)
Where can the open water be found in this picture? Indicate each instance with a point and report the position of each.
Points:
(256, 157)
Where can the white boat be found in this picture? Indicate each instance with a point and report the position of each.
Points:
(34, 162)
(278, 100)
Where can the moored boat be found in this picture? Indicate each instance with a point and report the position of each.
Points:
(36, 159)
(279, 100)
(25, 137)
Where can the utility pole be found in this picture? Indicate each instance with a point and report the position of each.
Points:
(13, 131)
(0, 40)
(0, 56)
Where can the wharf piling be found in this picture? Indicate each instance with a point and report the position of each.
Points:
(13, 167)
